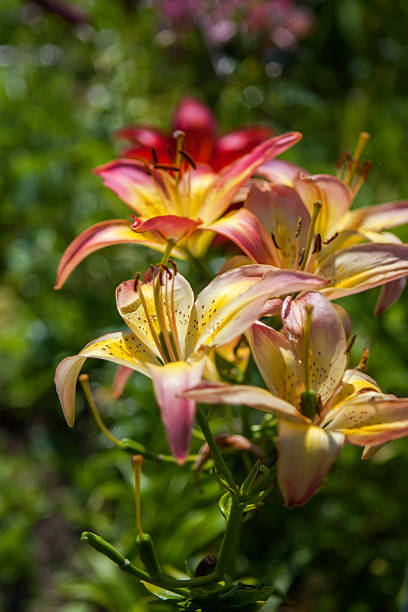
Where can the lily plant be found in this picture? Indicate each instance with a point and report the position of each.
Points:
(318, 402)
(296, 220)
(171, 335)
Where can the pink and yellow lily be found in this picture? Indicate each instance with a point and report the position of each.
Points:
(319, 404)
(301, 221)
(174, 202)
(172, 334)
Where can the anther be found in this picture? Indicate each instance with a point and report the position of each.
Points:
(154, 155)
(173, 265)
(167, 269)
(167, 167)
(363, 360)
(301, 257)
(298, 227)
(179, 134)
(343, 157)
(329, 240)
(274, 241)
(188, 158)
(350, 344)
(136, 283)
(317, 244)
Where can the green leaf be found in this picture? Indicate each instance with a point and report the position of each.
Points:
(225, 505)
(161, 593)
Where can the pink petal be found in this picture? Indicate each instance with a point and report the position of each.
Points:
(243, 228)
(379, 217)
(362, 267)
(280, 172)
(99, 236)
(230, 147)
(177, 413)
(328, 357)
(122, 375)
(143, 140)
(236, 174)
(389, 293)
(171, 226)
(306, 454)
(197, 121)
(141, 188)
(244, 395)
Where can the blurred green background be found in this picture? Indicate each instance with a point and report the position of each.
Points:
(64, 89)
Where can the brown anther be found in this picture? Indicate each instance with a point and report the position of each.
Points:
(317, 244)
(135, 284)
(298, 227)
(274, 241)
(367, 165)
(167, 167)
(154, 155)
(167, 269)
(301, 257)
(173, 265)
(350, 343)
(160, 275)
(137, 459)
(329, 240)
(188, 158)
(171, 154)
(363, 360)
(343, 157)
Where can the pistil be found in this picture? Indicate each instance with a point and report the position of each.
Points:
(309, 399)
(317, 206)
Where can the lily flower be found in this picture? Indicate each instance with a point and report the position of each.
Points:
(196, 120)
(304, 221)
(319, 404)
(171, 335)
(173, 203)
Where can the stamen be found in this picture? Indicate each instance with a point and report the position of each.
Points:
(188, 158)
(329, 240)
(317, 247)
(309, 398)
(158, 300)
(298, 227)
(274, 241)
(150, 323)
(173, 265)
(301, 257)
(154, 155)
(167, 167)
(317, 206)
(350, 344)
(171, 154)
(363, 360)
(171, 315)
(135, 284)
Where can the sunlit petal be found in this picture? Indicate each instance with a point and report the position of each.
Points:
(379, 217)
(306, 454)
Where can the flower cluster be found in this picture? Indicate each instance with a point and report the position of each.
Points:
(301, 247)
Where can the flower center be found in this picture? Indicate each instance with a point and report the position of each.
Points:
(309, 400)
(162, 321)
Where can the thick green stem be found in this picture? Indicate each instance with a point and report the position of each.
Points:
(220, 464)
(230, 540)
(167, 251)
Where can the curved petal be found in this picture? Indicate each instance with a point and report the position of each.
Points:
(171, 226)
(140, 187)
(177, 412)
(236, 174)
(144, 140)
(233, 301)
(306, 454)
(281, 172)
(243, 228)
(362, 267)
(334, 195)
(354, 383)
(277, 361)
(244, 395)
(230, 147)
(389, 294)
(101, 235)
(196, 120)
(327, 349)
(379, 217)
(132, 311)
(121, 348)
(123, 373)
(282, 213)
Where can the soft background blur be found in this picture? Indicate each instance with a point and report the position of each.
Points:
(66, 84)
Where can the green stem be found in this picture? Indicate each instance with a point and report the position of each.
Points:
(132, 447)
(265, 481)
(230, 539)
(167, 251)
(220, 464)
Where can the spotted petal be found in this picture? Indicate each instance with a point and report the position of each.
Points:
(306, 454)
(121, 348)
(233, 301)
